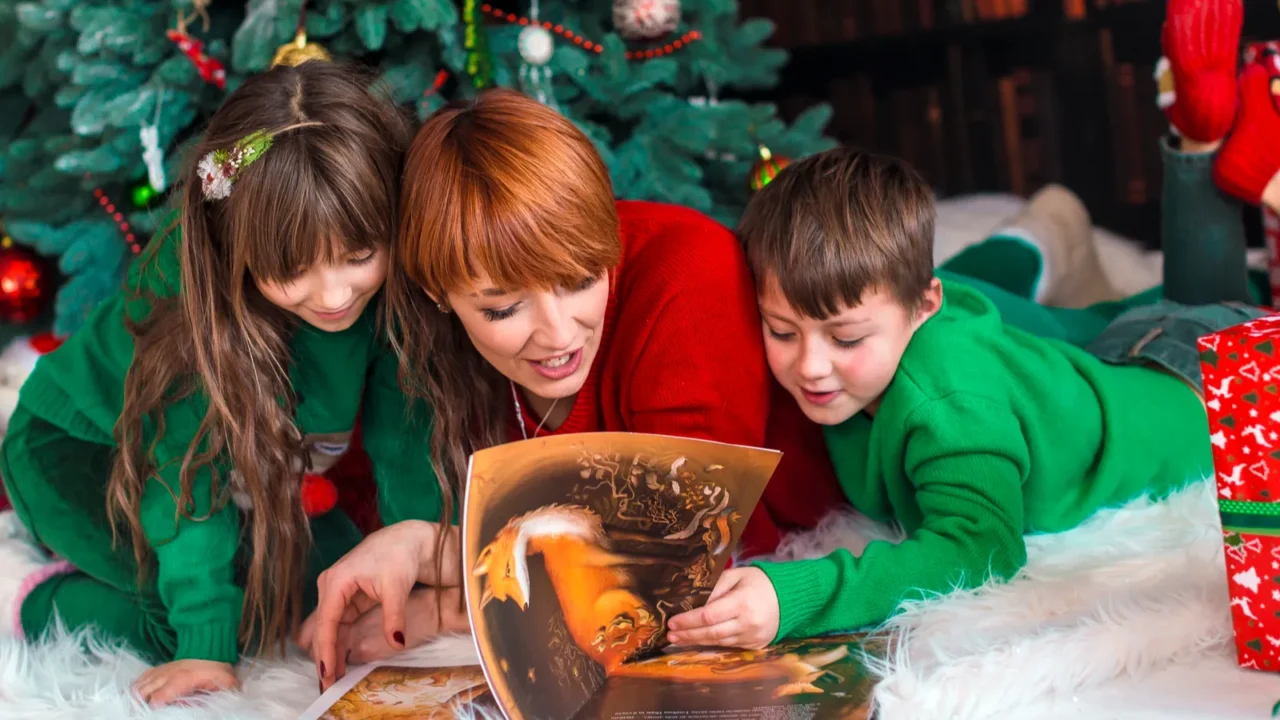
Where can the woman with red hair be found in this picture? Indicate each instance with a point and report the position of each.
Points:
(525, 302)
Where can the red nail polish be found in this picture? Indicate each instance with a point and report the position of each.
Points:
(322, 670)
(399, 636)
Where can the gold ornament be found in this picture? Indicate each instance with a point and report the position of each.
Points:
(299, 51)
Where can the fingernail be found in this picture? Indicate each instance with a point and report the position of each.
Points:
(323, 673)
(399, 636)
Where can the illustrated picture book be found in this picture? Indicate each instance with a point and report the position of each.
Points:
(577, 549)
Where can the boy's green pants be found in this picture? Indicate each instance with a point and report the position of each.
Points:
(1202, 234)
(57, 484)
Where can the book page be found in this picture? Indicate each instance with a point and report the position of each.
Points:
(578, 548)
(406, 690)
(812, 679)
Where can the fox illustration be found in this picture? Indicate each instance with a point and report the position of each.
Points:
(605, 617)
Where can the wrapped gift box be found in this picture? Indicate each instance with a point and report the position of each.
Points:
(1241, 368)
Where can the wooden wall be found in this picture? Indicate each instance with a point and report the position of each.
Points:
(995, 94)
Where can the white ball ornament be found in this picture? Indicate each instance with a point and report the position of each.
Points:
(536, 45)
(645, 19)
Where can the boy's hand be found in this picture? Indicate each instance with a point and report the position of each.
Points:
(741, 612)
(174, 681)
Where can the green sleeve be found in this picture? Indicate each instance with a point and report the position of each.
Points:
(195, 552)
(397, 437)
(965, 459)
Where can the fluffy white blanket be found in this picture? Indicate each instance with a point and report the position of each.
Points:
(1124, 617)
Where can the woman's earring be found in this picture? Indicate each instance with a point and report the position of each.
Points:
(440, 306)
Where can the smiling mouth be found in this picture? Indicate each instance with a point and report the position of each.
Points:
(819, 398)
(334, 314)
(558, 367)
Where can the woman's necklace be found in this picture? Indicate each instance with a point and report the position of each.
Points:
(515, 397)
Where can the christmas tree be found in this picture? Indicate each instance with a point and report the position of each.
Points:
(98, 99)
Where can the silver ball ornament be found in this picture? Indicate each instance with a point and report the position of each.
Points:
(536, 45)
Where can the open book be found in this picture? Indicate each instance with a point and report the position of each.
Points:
(578, 548)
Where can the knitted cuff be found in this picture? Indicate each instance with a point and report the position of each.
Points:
(30, 583)
(803, 587)
(216, 642)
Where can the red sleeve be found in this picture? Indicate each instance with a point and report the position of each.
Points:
(697, 369)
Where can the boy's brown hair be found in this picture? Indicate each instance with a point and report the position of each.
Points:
(839, 224)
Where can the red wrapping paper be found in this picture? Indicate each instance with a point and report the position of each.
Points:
(1241, 367)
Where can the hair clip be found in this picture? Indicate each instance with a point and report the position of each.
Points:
(220, 168)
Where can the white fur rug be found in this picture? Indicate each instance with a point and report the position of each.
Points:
(1124, 617)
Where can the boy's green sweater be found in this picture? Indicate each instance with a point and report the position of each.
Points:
(79, 387)
(986, 433)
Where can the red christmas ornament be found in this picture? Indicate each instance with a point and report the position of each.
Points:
(24, 283)
(319, 495)
(210, 69)
(768, 167)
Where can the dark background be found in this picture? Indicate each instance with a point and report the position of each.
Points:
(996, 95)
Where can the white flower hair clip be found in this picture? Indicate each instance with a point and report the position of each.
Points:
(220, 168)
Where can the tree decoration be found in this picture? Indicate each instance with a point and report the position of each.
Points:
(767, 168)
(24, 283)
(143, 195)
(211, 71)
(536, 47)
(119, 219)
(299, 50)
(152, 155)
(479, 65)
(646, 19)
(442, 76)
(678, 44)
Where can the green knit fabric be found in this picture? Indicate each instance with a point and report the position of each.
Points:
(79, 388)
(986, 433)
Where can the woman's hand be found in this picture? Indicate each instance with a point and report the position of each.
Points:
(431, 611)
(171, 682)
(381, 570)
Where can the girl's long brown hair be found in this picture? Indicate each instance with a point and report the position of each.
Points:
(328, 186)
(505, 187)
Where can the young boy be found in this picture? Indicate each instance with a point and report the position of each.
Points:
(957, 409)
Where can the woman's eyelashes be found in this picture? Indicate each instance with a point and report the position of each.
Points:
(362, 259)
(500, 313)
(496, 314)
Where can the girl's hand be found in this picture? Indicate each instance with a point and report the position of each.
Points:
(381, 570)
(741, 612)
(431, 611)
(165, 684)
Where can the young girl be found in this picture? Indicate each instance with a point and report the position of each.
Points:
(528, 302)
(181, 418)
